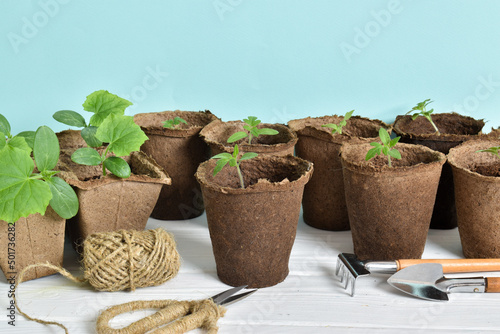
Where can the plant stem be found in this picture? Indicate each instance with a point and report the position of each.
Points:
(249, 138)
(389, 160)
(435, 128)
(240, 176)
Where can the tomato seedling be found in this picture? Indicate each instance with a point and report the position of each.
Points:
(337, 128)
(232, 159)
(251, 131)
(421, 110)
(172, 123)
(386, 148)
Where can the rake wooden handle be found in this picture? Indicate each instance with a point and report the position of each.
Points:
(492, 284)
(456, 265)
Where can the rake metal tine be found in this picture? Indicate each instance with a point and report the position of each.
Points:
(347, 279)
(353, 281)
(341, 274)
(338, 267)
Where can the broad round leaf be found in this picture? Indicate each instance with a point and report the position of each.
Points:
(20, 195)
(20, 143)
(70, 117)
(122, 134)
(88, 134)
(102, 103)
(4, 126)
(236, 136)
(64, 200)
(268, 131)
(29, 137)
(3, 142)
(46, 148)
(117, 166)
(86, 156)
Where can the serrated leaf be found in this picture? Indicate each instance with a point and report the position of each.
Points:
(122, 134)
(255, 132)
(64, 200)
(86, 156)
(236, 136)
(219, 165)
(233, 162)
(248, 155)
(117, 166)
(20, 143)
(88, 134)
(70, 117)
(395, 154)
(223, 155)
(384, 136)
(29, 137)
(168, 123)
(102, 103)
(267, 131)
(371, 153)
(414, 116)
(20, 195)
(385, 150)
(5, 126)
(179, 120)
(394, 141)
(46, 148)
(252, 121)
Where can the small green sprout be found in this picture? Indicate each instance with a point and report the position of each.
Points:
(253, 131)
(337, 128)
(172, 123)
(493, 150)
(386, 148)
(422, 111)
(225, 158)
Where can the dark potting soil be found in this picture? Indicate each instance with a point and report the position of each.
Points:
(487, 170)
(447, 123)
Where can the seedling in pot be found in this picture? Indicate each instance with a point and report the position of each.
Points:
(172, 123)
(253, 131)
(102, 103)
(23, 140)
(122, 136)
(225, 158)
(24, 192)
(386, 148)
(493, 150)
(337, 128)
(421, 109)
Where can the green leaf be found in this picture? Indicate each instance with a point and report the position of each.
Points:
(3, 142)
(219, 165)
(179, 120)
(395, 154)
(46, 148)
(5, 126)
(103, 104)
(267, 131)
(117, 166)
(122, 134)
(348, 115)
(223, 155)
(20, 143)
(86, 156)
(20, 195)
(64, 200)
(70, 117)
(168, 123)
(394, 141)
(248, 155)
(233, 162)
(330, 125)
(384, 136)
(255, 132)
(252, 121)
(29, 137)
(371, 153)
(236, 136)
(236, 151)
(88, 134)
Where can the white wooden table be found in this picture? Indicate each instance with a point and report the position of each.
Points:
(310, 300)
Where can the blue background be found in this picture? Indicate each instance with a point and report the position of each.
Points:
(277, 60)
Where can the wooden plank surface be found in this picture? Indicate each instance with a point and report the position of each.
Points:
(310, 300)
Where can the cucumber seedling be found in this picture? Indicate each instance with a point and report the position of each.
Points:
(386, 148)
(102, 103)
(172, 123)
(232, 159)
(23, 140)
(421, 110)
(24, 191)
(252, 131)
(337, 128)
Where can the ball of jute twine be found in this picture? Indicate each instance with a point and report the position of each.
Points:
(115, 261)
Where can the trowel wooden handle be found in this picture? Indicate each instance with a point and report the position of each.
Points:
(456, 265)
(493, 284)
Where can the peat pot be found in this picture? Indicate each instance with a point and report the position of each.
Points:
(390, 208)
(33, 239)
(477, 194)
(179, 151)
(253, 229)
(109, 203)
(324, 199)
(454, 129)
(216, 134)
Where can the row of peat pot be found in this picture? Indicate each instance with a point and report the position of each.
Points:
(253, 229)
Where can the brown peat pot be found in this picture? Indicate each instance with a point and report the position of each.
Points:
(216, 134)
(253, 229)
(109, 203)
(454, 129)
(477, 194)
(70, 139)
(390, 208)
(37, 239)
(178, 151)
(324, 199)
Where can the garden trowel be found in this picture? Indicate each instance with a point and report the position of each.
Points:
(426, 281)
